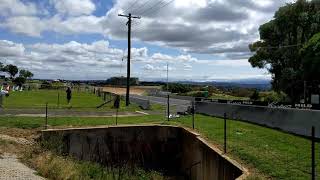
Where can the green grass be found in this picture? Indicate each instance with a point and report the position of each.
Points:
(269, 152)
(273, 153)
(36, 122)
(79, 101)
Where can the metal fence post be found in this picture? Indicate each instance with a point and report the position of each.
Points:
(225, 132)
(46, 123)
(168, 107)
(313, 163)
(117, 117)
(58, 99)
(193, 112)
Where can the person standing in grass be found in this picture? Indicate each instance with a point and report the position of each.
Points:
(68, 91)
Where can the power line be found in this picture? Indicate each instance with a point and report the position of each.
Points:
(155, 12)
(148, 9)
(141, 6)
(131, 5)
(152, 7)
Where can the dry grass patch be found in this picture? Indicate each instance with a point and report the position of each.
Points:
(53, 166)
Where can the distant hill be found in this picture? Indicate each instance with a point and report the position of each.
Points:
(250, 83)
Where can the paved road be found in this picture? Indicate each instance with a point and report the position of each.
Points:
(182, 105)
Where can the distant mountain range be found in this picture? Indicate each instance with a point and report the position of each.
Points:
(260, 84)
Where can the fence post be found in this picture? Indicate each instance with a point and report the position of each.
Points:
(1, 100)
(117, 116)
(225, 132)
(117, 106)
(168, 107)
(313, 164)
(193, 112)
(46, 123)
(58, 99)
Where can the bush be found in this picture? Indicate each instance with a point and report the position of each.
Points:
(178, 88)
(255, 95)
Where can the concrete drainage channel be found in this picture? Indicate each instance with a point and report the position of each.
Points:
(174, 151)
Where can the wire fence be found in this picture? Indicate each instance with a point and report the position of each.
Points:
(270, 152)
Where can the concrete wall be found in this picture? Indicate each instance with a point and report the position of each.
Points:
(144, 104)
(295, 121)
(174, 96)
(203, 161)
(172, 150)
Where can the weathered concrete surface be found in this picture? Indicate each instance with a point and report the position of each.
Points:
(172, 150)
(295, 121)
(144, 104)
(181, 105)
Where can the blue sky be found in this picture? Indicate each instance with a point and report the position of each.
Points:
(201, 40)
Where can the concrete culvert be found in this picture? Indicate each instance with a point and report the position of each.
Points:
(174, 151)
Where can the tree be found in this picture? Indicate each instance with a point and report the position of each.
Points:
(310, 54)
(19, 81)
(177, 88)
(1, 67)
(12, 70)
(25, 73)
(280, 42)
(255, 95)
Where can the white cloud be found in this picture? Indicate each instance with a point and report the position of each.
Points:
(217, 27)
(8, 48)
(97, 60)
(74, 7)
(223, 28)
(28, 25)
(204, 26)
(16, 7)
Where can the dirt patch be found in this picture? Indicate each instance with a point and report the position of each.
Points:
(138, 90)
(21, 141)
(29, 134)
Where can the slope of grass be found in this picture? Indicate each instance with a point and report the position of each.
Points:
(56, 99)
(273, 153)
(268, 152)
(36, 122)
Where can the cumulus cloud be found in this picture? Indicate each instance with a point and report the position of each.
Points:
(28, 25)
(73, 59)
(8, 48)
(222, 28)
(217, 27)
(204, 26)
(97, 60)
(16, 7)
(74, 7)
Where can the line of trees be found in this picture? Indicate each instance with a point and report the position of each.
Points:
(13, 71)
(289, 48)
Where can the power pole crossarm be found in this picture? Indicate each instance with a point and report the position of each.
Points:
(127, 16)
(129, 54)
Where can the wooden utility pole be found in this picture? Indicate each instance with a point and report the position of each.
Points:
(129, 54)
